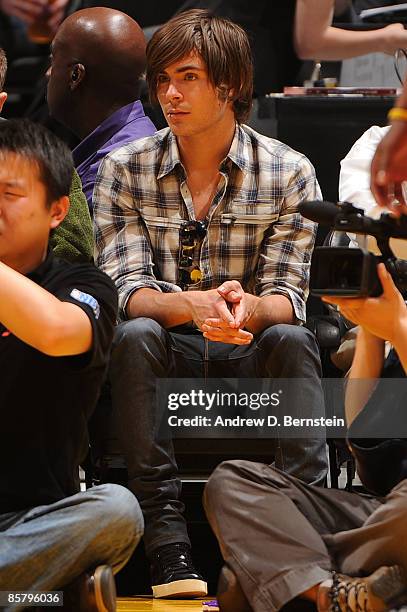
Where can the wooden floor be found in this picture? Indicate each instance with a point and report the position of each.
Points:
(142, 604)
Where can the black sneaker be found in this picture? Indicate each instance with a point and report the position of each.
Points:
(173, 573)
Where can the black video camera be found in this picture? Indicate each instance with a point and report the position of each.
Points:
(352, 272)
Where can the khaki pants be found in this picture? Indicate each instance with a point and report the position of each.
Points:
(281, 536)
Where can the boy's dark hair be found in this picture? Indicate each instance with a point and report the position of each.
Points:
(3, 68)
(36, 144)
(223, 46)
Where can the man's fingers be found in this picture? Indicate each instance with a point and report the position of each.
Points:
(230, 296)
(223, 328)
(224, 333)
(229, 340)
(239, 312)
(231, 291)
(224, 312)
(218, 323)
(232, 285)
(386, 280)
(237, 336)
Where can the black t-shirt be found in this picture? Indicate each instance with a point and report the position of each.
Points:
(45, 401)
(270, 27)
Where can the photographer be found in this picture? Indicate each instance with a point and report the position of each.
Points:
(309, 533)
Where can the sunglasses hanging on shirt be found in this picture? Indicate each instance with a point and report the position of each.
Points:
(191, 234)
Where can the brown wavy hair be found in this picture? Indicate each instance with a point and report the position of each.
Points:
(223, 46)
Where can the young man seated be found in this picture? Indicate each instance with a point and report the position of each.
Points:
(56, 326)
(199, 227)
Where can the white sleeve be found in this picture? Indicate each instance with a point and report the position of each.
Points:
(354, 178)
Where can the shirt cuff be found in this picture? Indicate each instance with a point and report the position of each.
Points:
(298, 304)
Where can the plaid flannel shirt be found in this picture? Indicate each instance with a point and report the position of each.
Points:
(255, 233)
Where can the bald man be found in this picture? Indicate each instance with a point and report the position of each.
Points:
(97, 57)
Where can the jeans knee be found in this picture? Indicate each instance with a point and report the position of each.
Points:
(289, 351)
(139, 338)
(287, 336)
(118, 511)
(141, 329)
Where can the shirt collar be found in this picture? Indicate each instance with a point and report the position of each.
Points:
(171, 157)
(239, 149)
(108, 128)
(41, 271)
(238, 152)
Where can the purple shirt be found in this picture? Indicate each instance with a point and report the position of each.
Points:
(125, 125)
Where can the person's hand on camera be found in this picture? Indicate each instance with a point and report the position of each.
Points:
(384, 316)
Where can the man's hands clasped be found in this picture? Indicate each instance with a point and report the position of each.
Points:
(222, 313)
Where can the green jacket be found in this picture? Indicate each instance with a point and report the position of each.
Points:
(73, 239)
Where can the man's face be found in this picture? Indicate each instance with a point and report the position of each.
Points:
(58, 74)
(189, 101)
(25, 219)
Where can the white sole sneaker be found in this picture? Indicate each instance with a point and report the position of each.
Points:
(181, 588)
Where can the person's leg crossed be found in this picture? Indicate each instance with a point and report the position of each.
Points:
(51, 545)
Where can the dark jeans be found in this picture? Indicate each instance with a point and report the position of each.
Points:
(144, 351)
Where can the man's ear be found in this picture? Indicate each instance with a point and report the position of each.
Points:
(77, 75)
(3, 98)
(59, 210)
(231, 94)
(226, 93)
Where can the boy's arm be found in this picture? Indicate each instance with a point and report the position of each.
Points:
(41, 320)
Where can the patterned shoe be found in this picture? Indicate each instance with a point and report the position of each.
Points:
(376, 593)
